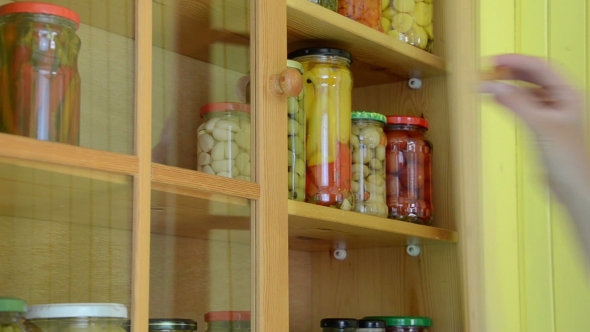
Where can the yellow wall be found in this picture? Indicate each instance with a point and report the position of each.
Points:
(535, 276)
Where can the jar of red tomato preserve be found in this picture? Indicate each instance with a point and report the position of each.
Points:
(408, 167)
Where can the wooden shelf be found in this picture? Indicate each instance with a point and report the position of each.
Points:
(318, 228)
(34, 190)
(378, 58)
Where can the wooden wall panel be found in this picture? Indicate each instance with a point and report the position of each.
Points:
(388, 281)
(430, 101)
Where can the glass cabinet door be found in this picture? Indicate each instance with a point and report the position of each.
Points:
(67, 161)
(215, 243)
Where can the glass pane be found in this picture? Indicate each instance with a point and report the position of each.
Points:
(65, 234)
(69, 84)
(201, 75)
(200, 255)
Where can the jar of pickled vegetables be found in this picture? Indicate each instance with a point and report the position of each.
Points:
(330, 4)
(371, 325)
(228, 321)
(409, 21)
(327, 85)
(368, 142)
(295, 139)
(223, 140)
(39, 80)
(367, 12)
(11, 313)
(167, 325)
(409, 169)
(339, 324)
(405, 323)
(77, 317)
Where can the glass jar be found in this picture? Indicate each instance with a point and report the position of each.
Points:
(76, 317)
(223, 140)
(371, 325)
(339, 324)
(228, 321)
(330, 4)
(327, 85)
(404, 323)
(368, 142)
(39, 80)
(167, 325)
(408, 164)
(367, 12)
(295, 139)
(11, 311)
(409, 21)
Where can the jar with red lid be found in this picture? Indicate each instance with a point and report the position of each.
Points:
(223, 140)
(228, 321)
(408, 167)
(39, 79)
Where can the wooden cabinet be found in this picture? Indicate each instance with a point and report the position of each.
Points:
(126, 217)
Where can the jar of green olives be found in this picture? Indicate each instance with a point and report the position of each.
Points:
(11, 311)
(368, 142)
(295, 141)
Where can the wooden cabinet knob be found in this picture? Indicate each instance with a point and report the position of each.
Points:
(288, 83)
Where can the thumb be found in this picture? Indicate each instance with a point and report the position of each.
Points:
(518, 100)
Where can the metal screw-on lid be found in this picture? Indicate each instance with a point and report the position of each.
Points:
(393, 321)
(10, 304)
(167, 324)
(327, 51)
(363, 115)
(70, 310)
(371, 323)
(339, 322)
(407, 120)
(40, 8)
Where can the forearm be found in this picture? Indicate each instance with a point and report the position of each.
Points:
(568, 172)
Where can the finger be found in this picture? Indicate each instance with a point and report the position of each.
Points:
(520, 101)
(530, 69)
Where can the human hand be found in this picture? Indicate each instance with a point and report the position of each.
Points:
(550, 106)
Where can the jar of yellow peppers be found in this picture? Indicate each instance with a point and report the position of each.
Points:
(327, 85)
(39, 80)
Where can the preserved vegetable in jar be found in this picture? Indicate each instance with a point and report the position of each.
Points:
(330, 4)
(371, 325)
(39, 80)
(327, 85)
(404, 323)
(167, 325)
(295, 139)
(368, 142)
(78, 317)
(338, 324)
(11, 312)
(367, 12)
(223, 140)
(409, 21)
(228, 321)
(408, 166)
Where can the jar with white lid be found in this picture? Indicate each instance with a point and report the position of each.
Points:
(11, 311)
(76, 317)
